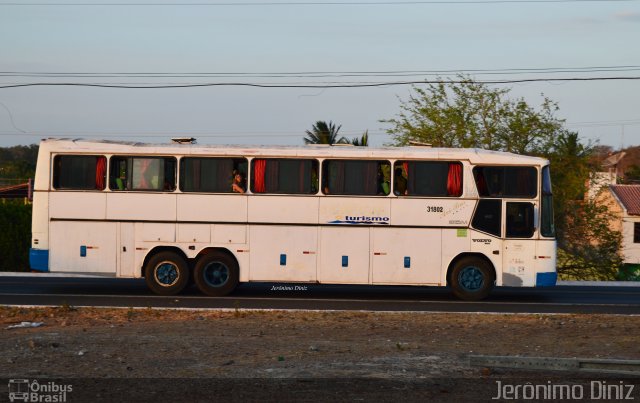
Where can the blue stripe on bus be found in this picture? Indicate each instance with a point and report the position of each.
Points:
(39, 259)
(546, 279)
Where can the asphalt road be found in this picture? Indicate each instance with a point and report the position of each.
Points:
(134, 293)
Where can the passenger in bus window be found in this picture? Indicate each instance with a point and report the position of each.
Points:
(400, 183)
(121, 179)
(238, 185)
(384, 179)
(121, 182)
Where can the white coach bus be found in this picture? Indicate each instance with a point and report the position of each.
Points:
(221, 215)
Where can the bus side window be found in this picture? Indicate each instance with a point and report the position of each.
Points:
(79, 172)
(506, 181)
(520, 222)
(118, 173)
(143, 174)
(428, 178)
(356, 177)
(284, 176)
(488, 216)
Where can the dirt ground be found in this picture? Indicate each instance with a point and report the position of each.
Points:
(275, 354)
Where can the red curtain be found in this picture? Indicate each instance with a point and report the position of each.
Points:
(454, 179)
(258, 175)
(101, 169)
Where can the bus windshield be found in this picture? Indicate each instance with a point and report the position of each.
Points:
(547, 227)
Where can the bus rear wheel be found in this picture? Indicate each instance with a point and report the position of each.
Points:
(472, 279)
(166, 273)
(216, 274)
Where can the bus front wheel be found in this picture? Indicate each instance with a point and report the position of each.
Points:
(216, 274)
(166, 273)
(472, 279)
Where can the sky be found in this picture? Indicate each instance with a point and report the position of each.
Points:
(261, 42)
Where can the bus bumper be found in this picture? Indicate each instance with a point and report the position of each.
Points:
(546, 279)
(39, 259)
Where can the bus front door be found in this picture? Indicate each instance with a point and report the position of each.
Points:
(519, 248)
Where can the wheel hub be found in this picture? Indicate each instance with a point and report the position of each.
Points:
(166, 274)
(471, 278)
(216, 274)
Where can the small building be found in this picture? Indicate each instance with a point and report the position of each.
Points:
(625, 203)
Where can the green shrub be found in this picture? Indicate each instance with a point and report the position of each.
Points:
(629, 272)
(15, 235)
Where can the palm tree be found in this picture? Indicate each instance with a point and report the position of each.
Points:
(324, 133)
(362, 141)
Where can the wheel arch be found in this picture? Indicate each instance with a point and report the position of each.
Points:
(212, 249)
(465, 255)
(157, 249)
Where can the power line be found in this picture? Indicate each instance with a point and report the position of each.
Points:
(134, 133)
(311, 3)
(621, 121)
(605, 124)
(13, 123)
(319, 74)
(251, 134)
(353, 85)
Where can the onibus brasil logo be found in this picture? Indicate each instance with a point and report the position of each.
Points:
(25, 390)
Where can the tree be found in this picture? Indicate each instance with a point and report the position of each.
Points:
(469, 114)
(324, 133)
(17, 163)
(15, 237)
(570, 170)
(632, 175)
(590, 249)
(361, 141)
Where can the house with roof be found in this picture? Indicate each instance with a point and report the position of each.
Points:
(624, 202)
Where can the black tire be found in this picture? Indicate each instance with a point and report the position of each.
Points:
(166, 273)
(472, 279)
(216, 274)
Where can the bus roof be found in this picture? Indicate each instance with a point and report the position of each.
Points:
(473, 155)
